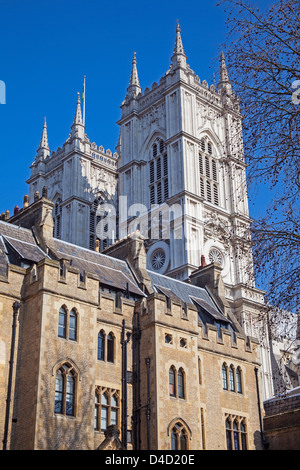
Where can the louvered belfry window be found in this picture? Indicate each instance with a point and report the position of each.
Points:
(158, 173)
(208, 173)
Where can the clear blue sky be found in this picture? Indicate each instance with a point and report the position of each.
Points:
(47, 46)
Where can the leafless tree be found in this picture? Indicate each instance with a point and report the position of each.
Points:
(263, 59)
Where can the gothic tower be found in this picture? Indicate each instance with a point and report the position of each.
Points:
(182, 171)
(183, 185)
(80, 178)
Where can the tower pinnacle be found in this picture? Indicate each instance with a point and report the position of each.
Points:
(78, 126)
(179, 57)
(224, 84)
(134, 87)
(43, 150)
(224, 78)
(78, 114)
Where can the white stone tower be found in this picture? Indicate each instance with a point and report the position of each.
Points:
(183, 184)
(77, 178)
(181, 146)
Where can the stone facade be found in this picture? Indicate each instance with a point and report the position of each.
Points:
(178, 293)
(282, 421)
(167, 331)
(178, 176)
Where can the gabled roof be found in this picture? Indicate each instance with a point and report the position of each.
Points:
(20, 241)
(25, 250)
(110, 271)
(187, 293)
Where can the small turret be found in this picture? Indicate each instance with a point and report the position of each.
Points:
(179, 57)
(224, 85)
(134, 88)
(78, 129)
(43, 150)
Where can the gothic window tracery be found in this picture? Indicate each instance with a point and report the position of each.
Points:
(65, 387)
(215, 256)
(208, 170)
(236, 433)
(179, 437)
(106, 347)
(107, 405)
(158, 173)
(176, 382)
(232, 378)
(98, 225)
(67, 324)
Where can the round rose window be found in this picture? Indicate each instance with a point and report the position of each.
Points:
(158, 259)
(215, 256)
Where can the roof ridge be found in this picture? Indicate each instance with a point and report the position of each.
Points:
(91, 251)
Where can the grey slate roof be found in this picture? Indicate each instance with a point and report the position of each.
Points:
(110, 271)
(21, 242)
(187, 293)
(26, 250)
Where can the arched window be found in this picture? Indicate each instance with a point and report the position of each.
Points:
(70, 394)
(114, 410)
(243, 436)
(183, 440)
(231, 379)
(98, 225)
(236, 435)
(154, 150)
(106, 408)
(239, 380)
(208, 172)
(104, 411)
(158, 173)
(110, 348)
(228, 434)
(62, 322)
(96, 411)
(174, 443)
(224, 377)
(101, 345)
(172, 382)
(216, 195)
(59, 390)
(67, 324)
(179, 437)
(73, 325)
(65, 383)
(180, 382)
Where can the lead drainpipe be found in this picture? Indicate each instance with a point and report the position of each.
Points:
(16, 307)
(124, 384)
(259, 409)
(148, 409)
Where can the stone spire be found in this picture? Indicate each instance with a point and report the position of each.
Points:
(78, 114)
(43, 150)
(179, 57)
(224, 82)
(78, 126)
(134, 87)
